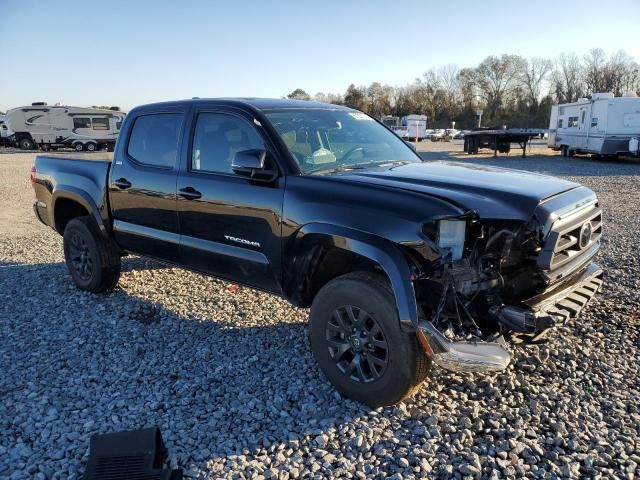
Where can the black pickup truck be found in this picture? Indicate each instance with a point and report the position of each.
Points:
(404, 263)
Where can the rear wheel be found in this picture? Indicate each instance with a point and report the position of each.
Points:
(564, 150)
(78, 147)
(357, 341)
(91, 147)
(93, 262)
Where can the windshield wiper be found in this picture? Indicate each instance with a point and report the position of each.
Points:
(359, 166)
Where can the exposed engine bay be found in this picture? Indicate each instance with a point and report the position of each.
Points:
(489, 285)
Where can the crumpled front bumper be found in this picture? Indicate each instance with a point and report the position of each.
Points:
(567, 300)
(559, 303)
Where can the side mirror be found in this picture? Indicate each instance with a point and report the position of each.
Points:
(411, 145)
(252, 164)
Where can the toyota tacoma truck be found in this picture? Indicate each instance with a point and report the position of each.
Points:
(403, 263)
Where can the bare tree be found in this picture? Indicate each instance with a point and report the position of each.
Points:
(595, 71)
(498, 81)
(622, 74)
(568, 78)
(534, 76)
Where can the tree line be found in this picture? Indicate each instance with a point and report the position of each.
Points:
(509, 89)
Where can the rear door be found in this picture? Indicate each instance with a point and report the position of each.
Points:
(230, 225)
(142, 184)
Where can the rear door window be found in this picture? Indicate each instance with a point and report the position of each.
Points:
(154, 139)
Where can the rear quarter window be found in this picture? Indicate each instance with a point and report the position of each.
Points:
(154, 139)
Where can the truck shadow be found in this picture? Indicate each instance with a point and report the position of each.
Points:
(218, 385)
(118, 361)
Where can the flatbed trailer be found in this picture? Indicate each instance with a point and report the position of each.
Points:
(499, 140)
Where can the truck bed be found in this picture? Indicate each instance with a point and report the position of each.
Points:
(84, 175)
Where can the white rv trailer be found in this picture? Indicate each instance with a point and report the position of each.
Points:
(602, 125)
(53, 126)
(3, 131)
(416, 126)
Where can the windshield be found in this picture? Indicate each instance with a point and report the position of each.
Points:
(324, 141)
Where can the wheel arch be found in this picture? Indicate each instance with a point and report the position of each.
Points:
(70, 202)
(322, 252)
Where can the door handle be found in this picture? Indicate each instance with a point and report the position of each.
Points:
(122, 183)
(189, 193)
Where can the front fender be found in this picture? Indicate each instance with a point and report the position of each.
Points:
(382, 252)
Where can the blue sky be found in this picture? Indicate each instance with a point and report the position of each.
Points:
(121, 52)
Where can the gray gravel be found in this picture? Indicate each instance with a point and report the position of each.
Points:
(230, 380)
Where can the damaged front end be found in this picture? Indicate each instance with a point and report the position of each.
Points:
(495, 280)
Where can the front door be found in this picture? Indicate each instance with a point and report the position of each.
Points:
(142, 185)
(230, 225)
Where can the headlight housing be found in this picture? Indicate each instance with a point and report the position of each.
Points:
(451, 235)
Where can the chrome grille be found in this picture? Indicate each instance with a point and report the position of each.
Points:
(564, 251)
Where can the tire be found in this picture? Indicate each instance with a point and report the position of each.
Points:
(564, 150)
(78, 147)
(45, 147)
(93, 262)
(90, 147)
(392, 364)
(25, 143)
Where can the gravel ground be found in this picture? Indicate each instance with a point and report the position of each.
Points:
(230, 380)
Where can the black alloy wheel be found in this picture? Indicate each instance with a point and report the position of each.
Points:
(357, 340)
(80, 256)
(357, 344)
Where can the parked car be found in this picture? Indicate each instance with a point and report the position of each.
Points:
(438, 135)
(429, 133)
(403, 263)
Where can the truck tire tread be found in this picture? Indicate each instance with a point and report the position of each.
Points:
(108, 271)
(404, 375)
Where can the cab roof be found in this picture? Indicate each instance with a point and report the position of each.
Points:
(257, 103)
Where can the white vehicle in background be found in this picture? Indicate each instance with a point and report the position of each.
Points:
(416, 126)
(44, 126)
(602, 125)
(401, 131)
(3, 131)
(428, 133)
(438, 135)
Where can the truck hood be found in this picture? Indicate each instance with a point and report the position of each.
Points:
(492, 192)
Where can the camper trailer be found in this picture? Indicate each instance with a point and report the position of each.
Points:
(602, 125)
(3, 131)
(40, 125)
(390, 121)
(416, 126)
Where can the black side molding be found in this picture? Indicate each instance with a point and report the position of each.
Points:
(133, 455)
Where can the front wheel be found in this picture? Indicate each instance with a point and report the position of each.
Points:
(357, 341)
(78, 147)
(93, 262)
(25, 143)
